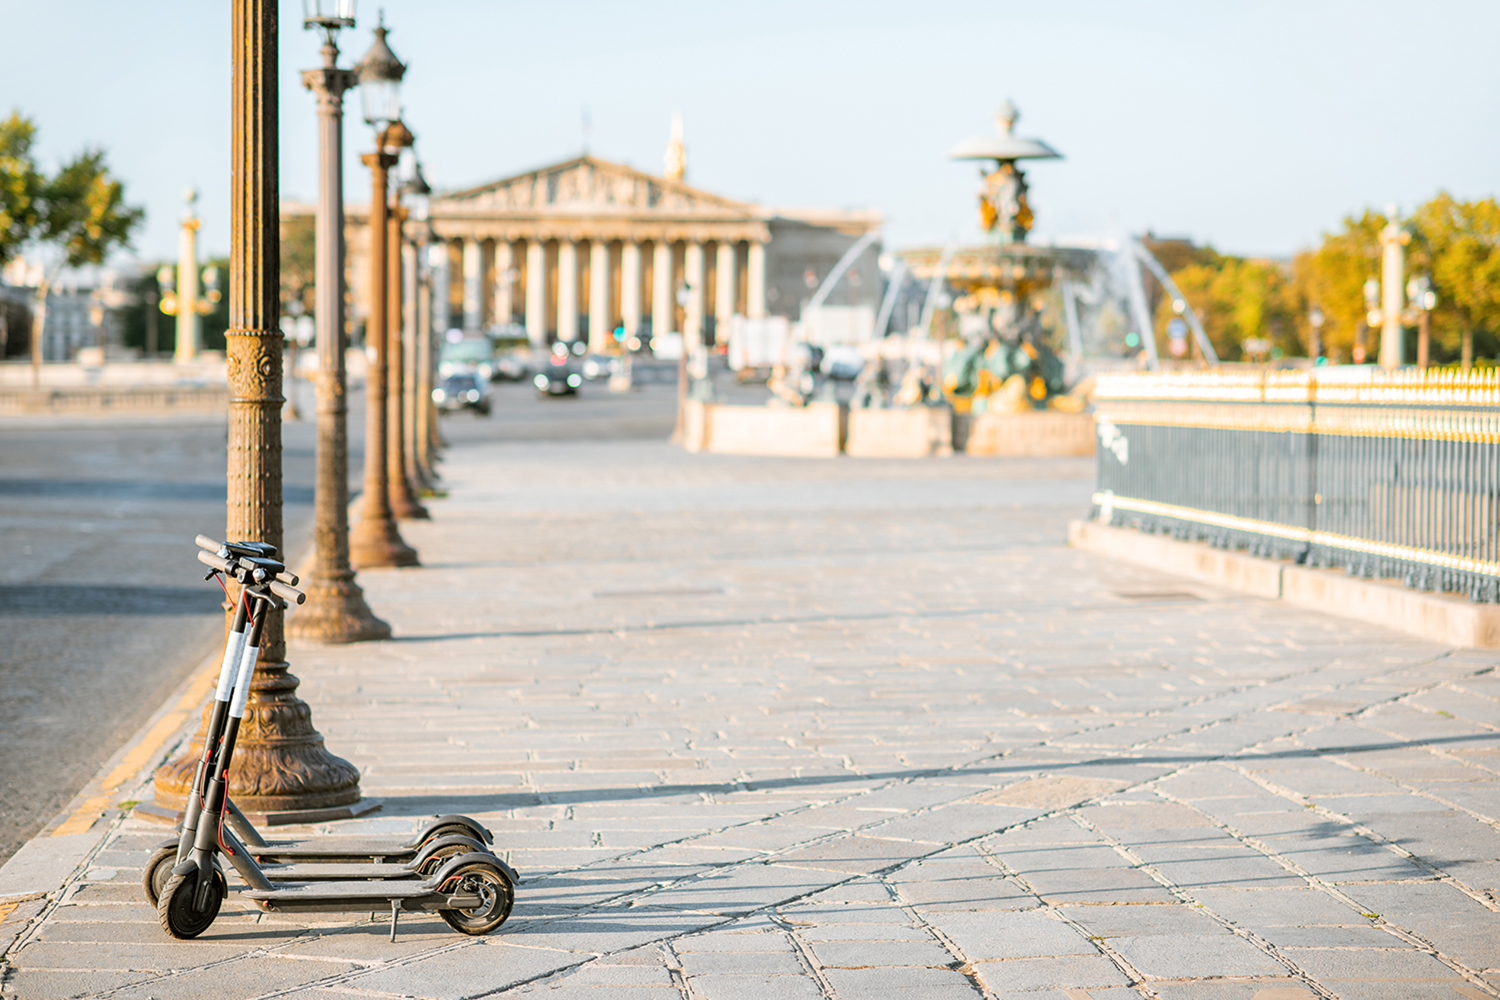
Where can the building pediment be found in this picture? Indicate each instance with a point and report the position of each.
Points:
(594, 187)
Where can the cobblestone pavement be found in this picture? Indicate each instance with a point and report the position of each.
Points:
(757, 728)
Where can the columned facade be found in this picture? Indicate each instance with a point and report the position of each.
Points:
(600, 285)
(589, 238)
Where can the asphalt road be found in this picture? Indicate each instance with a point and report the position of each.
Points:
(103, 608)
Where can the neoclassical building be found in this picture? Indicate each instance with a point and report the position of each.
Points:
(579, 248)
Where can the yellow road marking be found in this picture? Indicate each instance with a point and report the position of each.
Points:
(83, 817)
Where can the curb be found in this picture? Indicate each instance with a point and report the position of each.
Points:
(1445, 618)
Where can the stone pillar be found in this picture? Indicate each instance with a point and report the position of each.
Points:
(441, 275)
(755, 281)
(536, 292)
(727, 287)
(473, 279)
(662, 290)
(505, 303)
(280, 762)
(692, 321)
(567, 290)
(630, 287)
(600, 308)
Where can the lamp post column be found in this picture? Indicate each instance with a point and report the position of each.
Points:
(1392, 284)
(424, 365)
(283, 765)
(403, 502)
(335, 610)
(375, 540)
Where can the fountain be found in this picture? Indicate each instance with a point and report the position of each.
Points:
(1026, 321)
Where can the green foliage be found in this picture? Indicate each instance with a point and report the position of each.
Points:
(84, 212)
(298, 260)
(1456, 244)
(20, 185)
(1236, 298)
(80, 210)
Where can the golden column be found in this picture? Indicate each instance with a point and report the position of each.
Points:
(403, 500)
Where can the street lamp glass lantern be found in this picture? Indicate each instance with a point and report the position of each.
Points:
(380, 74)
(417, 194)
(332, 14)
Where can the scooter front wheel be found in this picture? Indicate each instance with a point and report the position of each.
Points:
(158, 870)
(177, 909)
(496, 896)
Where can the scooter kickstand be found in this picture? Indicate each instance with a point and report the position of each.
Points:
(395, 911)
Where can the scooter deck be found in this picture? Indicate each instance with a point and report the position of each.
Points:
(337, 872)
(337, 848)
(356, 896)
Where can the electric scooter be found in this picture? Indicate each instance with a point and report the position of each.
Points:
(472, 891)
(340, 857)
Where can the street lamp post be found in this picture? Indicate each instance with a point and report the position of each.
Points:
(180, 295)
(418, 196)
(375, 539)
(1422, 298)
(404, 505)
(283, 765)
(336, 610)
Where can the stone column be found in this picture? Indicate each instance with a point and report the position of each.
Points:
(755, 281)
(280, 762)
(336, 610)
(567, 290)
(630, 287)
(505, 303)
(536, 293)
(402, 498)
(375, 540)
(692, 322)
(600, 308)
(473, 279)
(662, 291)
(726, 290)
(442, 275)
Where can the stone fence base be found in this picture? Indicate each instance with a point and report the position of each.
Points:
(825, 429)
(103, 399)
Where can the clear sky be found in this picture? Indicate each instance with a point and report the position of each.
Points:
(1250, 125)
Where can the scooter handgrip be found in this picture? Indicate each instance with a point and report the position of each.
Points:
(289, 594)
(290, 579)
(204, 542)
(209, 559)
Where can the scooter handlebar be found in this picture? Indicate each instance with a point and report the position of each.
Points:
(289, 594)
(212, 559)
(204, 542)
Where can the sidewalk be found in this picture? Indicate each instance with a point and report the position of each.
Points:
(761, 728)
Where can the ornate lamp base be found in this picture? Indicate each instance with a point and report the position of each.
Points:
(375, 542)
(336, 612)
(280, 762)
(406, 508)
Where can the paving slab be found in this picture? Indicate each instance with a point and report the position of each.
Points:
(774, 728)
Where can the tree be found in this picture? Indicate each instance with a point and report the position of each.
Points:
(1458, 244)
(80, 212)
(20, 186)
(1236, 298)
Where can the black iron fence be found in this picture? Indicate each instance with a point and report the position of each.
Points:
(1392, 475)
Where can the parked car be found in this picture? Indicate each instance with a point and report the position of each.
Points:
(597, 366)
(468, 354)
(463, 391)
(558, 377)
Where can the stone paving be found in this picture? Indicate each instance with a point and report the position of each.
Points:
(759, 728)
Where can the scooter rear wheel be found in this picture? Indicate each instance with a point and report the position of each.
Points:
(158, 870)
(439, 857)
(459, 829)
(495, 892)
(175, 908)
